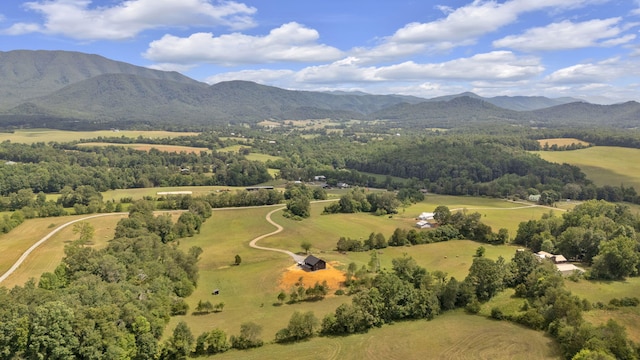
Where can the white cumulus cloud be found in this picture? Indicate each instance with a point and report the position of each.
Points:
(568, 35)
(605, 71)
(78, 19)
(461, 26)
(290, 42)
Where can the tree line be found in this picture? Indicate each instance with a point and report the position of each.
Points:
(601, 234)
(108, 303)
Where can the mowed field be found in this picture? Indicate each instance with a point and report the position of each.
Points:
(604, 165)
(454, 335)
(30, 136)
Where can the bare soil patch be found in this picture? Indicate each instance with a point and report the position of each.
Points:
(291, 277)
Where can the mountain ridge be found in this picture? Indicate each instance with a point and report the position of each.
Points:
(85, 87)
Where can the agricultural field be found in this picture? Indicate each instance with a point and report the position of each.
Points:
(249, 291)
(147, 147)
(30, 136)
(604, 291)
(454, 335)
(604, 165)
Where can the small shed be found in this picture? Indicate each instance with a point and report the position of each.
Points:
(215, 292)
(313, 263)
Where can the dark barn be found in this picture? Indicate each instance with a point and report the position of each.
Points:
(313, 263)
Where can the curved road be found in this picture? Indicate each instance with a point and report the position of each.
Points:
(253, 243)
(24, 256)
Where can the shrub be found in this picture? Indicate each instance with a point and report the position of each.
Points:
(497, 314)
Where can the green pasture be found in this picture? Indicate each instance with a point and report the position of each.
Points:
(604, 165)
(604, 291)
(261, 157)
(453, 335)
(249, 291)
(30, 136)
(497, 213)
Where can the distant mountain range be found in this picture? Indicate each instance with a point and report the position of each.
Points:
(51, 86)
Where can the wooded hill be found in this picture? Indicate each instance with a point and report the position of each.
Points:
(72, 90)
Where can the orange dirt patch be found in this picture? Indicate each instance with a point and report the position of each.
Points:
(291, 278)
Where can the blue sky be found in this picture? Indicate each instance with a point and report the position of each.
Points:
(581, 48)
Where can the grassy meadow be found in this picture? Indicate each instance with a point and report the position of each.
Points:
(604, 165)
(30, 136)
(454, 335)
(249, 291)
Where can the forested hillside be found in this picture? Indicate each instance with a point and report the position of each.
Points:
(80, 91)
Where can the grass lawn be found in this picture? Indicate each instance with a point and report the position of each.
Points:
(605, 165)
(453, 335)
(30, 136)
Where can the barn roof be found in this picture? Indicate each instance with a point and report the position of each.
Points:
(312, 260)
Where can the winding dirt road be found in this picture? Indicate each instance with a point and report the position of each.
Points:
(24, 256)
(297, 258)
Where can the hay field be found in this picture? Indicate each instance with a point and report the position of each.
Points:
(453, 335)
(30, 136)
(604, 165)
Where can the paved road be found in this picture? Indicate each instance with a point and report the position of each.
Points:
(24, 256)
(297, 258)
